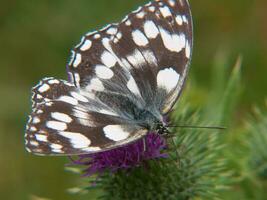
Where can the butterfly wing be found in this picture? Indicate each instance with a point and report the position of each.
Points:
(66, 121)
(146, 56)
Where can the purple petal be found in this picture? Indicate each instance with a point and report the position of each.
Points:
(126, 157)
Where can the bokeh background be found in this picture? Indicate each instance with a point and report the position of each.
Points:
(35, 41)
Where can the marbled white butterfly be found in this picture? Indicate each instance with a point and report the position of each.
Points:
(123, 80)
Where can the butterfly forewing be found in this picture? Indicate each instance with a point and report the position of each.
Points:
(150, 48)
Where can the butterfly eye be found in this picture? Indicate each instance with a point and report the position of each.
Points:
(161, 129)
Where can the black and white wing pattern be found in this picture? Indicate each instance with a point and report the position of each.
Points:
(146, 55)
(115, 74)
(67, 120)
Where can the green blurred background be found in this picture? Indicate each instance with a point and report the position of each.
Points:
(36, 38)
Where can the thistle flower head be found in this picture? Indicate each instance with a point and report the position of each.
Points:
(126, 157)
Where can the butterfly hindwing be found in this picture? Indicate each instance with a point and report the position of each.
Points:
(65, 122)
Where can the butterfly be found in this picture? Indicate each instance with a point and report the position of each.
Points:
(123, 80)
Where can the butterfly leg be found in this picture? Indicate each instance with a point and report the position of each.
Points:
(171, 137)
(176, 151)
(144, 144)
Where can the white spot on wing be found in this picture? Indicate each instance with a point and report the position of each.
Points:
(150, 57)
(179, 20)
(172, 3)
(185, 19)
(119, 35)
(165, 11)
(96, 36)
(92, 149)
(44, 88)
(68, 99)
(179, 40)
(103, 72)
(140, 14)
(136, 59)
(49, 103)
(77, 60)
(34, 143)
(106, 44)
(36, 120)
(39, 112)
(77, 78)
(115, 40)
(151, 29)
(53, 81)
(57, 150)
(61, 117)
(41, 138)
(60, 126)
(87, 94)
(86, 45)
(139, 38)
(187, 50)
(56, 146)
(79, 97)
(32, 128)
(112, 31)
(152, 8)
(83, 118)
(107, 112)
(126, 64)
(115, 132)
(167, 78)
(77, 140)
(128, 23)
(132, 86)
(72, 57)
(95, 84)
(80, 114)
(108, 59)
(172, 42)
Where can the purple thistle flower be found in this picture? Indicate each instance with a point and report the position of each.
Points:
(125, 157)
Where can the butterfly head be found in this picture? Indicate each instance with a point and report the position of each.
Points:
(153, 121)
(162, 129)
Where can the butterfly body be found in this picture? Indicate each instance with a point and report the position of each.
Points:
(122, 80)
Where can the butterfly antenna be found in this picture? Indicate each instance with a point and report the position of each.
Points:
(200, 127)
